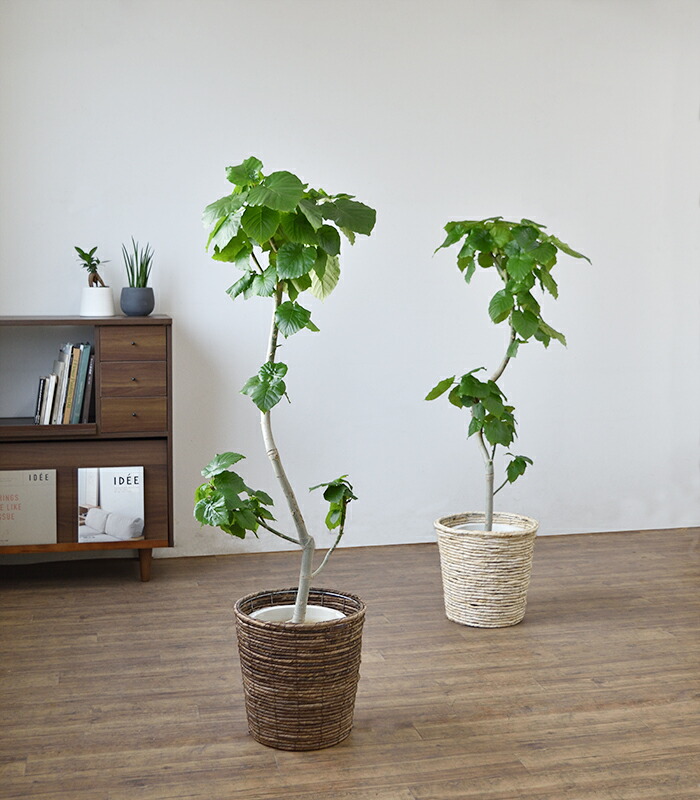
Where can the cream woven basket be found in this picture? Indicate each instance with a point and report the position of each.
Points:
(486, 574)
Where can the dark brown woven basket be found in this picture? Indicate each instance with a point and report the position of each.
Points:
(300, 680)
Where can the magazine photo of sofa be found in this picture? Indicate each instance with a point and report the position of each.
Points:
(110, 504)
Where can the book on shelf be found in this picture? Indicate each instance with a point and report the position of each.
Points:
(27, 506)
(66, 395)
(110, 504)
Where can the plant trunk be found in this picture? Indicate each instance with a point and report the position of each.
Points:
(307, 542)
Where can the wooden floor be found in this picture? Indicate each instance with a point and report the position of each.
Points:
(111, 689)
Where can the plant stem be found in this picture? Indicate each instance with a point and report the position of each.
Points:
(488, 457)
(305, 540)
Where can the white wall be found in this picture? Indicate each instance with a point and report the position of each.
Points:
(118, 117)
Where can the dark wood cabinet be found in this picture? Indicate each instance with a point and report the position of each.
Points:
(132, 422)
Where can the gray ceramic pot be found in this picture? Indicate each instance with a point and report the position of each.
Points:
(136, 301)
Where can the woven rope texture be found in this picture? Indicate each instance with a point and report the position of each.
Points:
(486, 574)
(300, 681)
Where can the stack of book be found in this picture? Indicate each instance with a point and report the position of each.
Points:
(65, 396)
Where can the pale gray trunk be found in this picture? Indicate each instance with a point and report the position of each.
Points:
(306, 541)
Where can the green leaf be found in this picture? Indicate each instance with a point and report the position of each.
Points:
(294, 260)
(323, 285)
(513, 347)
(329, 239)
(517, 467)
(455, 397)
(501, 305)
(548, 282)
(220, 463)
(263, 285)
(297, 228)
(211, 511)
(225, 230)
(246, 173)
(493, 405)
(223, 207)
(500, 233)
(440, 388)
(566, 249)
(350, 214)
(519, 266)
(267, 388)
(237, 251)
(241, 285)
(475, 425)
(525, 323)
(291, 317)
(498, 432)
(230, 484)
(469, 386)
(280, 191)
(260, 222)
(312, 212)
(549, 331)
(545, 254)
(454, 231)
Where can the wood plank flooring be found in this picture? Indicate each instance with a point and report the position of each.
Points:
(113, 689)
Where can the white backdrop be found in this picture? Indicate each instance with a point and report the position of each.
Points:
(118, 118)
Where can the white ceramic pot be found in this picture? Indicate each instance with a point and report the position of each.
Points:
(284, 613)
(97, 301)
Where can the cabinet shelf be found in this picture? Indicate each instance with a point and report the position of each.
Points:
(132, 423)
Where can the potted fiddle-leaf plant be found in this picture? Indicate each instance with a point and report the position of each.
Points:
(96, 299)
(137, 299)
(300, 647)
(486, 557)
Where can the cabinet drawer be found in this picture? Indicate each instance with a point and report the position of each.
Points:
(132, 343)
(133, 415)
(133, 379)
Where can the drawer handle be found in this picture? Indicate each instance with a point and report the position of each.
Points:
(133, 379)
(133, 344)
(134, 414)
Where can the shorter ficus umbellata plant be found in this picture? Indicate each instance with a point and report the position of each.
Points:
(285, 238)
(91, 262)
(523, 255)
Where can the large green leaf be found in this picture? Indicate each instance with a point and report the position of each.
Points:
(566, 249)
(350, 214)
(237, 251)
(295, 260)
(260, 223)
(220, 463)
(267, 388)
(222, 208)
(246, 173)
(518, 267)
(211, 510)
(312, 212)
(241, 285)
(498, 432)
(517, 467)
(323, 285)
(291, 317)
(525, 323)
(262, 285)
(280, 191)
(329, 239)
(500, 306)
(297, 228)
(225, 229)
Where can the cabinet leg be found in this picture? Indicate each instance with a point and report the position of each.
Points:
(145, 559)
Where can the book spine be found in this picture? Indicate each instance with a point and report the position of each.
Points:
(64, 356)
(70, 392)
(89, 385)
(80, 383)
(39, 400)
(50, 394)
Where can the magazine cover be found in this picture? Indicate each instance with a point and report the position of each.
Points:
(110, 504)
(28, 506)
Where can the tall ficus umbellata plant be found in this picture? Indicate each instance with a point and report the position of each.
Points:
(523, 255)
(286, 239)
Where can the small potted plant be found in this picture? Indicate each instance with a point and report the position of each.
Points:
(137, 298)
(96, 299)
(486, 557)
(299, 648)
